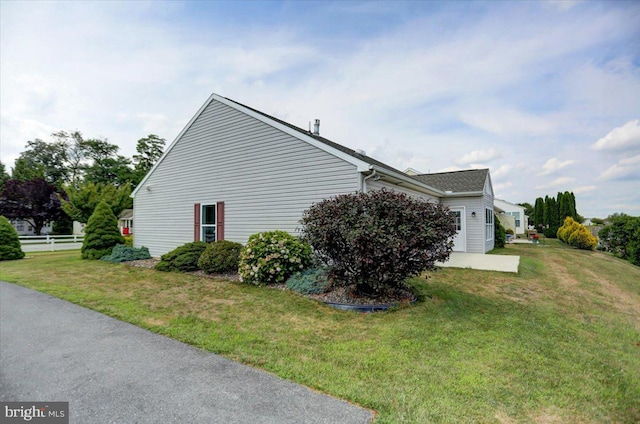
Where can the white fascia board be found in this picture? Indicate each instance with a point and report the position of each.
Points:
(464, 194)
(173, 143)
(407, 179)
(361, 165)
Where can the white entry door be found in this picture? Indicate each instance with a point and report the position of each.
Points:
(460, 239)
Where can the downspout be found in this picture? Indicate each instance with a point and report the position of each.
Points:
(364, 180)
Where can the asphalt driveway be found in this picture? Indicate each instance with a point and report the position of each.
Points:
(113, 372)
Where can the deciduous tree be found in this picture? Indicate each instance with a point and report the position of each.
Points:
(34, 201)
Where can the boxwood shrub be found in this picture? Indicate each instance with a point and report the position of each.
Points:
(221, 256)
(183, 258)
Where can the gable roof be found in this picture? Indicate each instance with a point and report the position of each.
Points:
(363, 163)
(471, 180)
(341, 148)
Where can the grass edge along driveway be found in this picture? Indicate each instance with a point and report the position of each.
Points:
(556, 343)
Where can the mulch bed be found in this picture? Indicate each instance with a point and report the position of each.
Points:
(336, 295)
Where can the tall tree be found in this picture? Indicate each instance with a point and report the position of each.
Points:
(538, 213)
(82, 201)
(26, 169)
(48, 158)
(107, 166)
(76, 154)
(149, 151)
(553, 220)
(34, 201)
(4, 177)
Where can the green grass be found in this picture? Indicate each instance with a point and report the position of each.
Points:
(559, 342)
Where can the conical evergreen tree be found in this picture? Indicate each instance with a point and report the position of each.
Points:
(101, 234)
(9, 242)
(538, 213)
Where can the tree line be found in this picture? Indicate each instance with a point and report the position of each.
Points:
(64, 179)
(549, 213)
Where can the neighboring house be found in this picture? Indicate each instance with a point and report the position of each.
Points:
(125, 222)
(23, 228)
(234, 171)
(516, 211)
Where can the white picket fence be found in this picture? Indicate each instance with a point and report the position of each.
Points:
(51, 243)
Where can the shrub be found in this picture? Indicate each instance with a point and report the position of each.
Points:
(582, 238)
(10, 248)
(101, 234)
(128, 241)
(220, 256)
(183, 258)
(500, 233)
(569, 226)
(271, 257)
(123, 253)
(622, 237)
(310, 281)
(508, 231)
(374, 241)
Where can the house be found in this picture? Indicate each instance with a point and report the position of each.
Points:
(125, 222)
(516, 211)
(24, 228)
(234, 171)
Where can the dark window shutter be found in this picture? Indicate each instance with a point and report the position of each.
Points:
(196, 222)
(220, 221)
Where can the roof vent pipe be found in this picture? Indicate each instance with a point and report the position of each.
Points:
(316, 127)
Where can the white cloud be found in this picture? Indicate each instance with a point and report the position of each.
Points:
(479, 155)
(626, 137)
(553, 164)
(625, 169)
(583, 189)
(501, 171)
(557, 183)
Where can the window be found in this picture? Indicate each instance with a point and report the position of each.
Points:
(208, 225)
(488, 221)
(516, 216)
(458, 217)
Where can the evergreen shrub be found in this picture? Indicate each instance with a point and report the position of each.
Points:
(221, 256)
(499, 239)
(310, 281)
(123, 253)
(582, 239)
(10, 248)
(183, 258)
(101, 234)
(271, 257)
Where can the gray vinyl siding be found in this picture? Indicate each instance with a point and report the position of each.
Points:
(474, 225)
(265, 177)
(377, 185)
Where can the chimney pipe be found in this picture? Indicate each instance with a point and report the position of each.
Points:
(316, 127)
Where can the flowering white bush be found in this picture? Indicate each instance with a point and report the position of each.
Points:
(272, 257)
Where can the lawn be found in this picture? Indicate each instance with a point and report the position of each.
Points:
(559, 342)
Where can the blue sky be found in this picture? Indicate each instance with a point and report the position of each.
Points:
(545, 94)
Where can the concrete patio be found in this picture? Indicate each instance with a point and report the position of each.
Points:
(502, 263)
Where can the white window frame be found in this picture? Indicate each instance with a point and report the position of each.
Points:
(202, 218)
(488, 224)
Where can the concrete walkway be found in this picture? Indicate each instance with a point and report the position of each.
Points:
(503, 263)
(113, 372)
